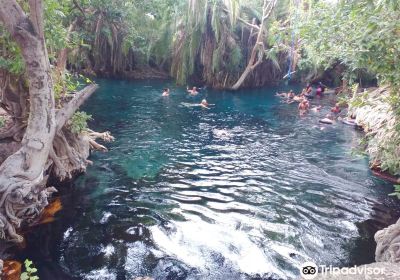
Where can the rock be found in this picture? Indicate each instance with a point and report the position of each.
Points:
(388, 244)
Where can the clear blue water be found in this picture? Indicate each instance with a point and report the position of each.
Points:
(245, 190)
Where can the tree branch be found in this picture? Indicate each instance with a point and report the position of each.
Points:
(79, 8)
(258, 47)
(36, 16)
(248, 23)
(65, 113)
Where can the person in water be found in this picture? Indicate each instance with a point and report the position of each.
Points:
(304, 106)
(319, 91)
(192, 91)
(204, 103)
(165, 92)
(316, 108)
(323, 87)
(308, 89)
(288, 96)
(336, 109)
(283, 94)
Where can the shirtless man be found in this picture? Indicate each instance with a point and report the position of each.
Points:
(192, 91)
(303, 107)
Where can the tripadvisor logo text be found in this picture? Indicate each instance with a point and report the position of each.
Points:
(310, 270)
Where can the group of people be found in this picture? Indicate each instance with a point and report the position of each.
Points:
(192, 92)
(308, 93)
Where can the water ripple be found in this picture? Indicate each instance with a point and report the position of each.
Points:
(246, 189)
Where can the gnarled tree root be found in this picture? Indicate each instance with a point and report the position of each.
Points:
(22, 199)
(388, 244)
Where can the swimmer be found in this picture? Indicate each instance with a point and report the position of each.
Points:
(323, 87)
(319, 91)
(303, 107)
(192, 91)
(291, 94)
(316, 108)
(336, 109)
(165, 92)
(308, 89)
(283, 94)
(205, 104)
(298, 98)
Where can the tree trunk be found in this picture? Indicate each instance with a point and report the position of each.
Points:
(13, 100)
(48, 146)
(259, 48)
(63, 54)
(22, 193)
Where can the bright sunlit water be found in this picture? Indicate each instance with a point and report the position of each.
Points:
(245, 190)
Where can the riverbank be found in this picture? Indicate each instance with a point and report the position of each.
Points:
(372, 110)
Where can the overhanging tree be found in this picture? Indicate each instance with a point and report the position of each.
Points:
(23, 175)
(258, 52)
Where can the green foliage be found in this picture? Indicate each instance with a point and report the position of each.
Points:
(68, 83)
(396, 191)
(235, 59)
(78, 122)
(55, 13)
(30, 271)
(10, 54)
(342, 100)
(358, 34)
(2, 121)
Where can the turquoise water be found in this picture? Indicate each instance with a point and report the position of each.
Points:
(245, 190)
